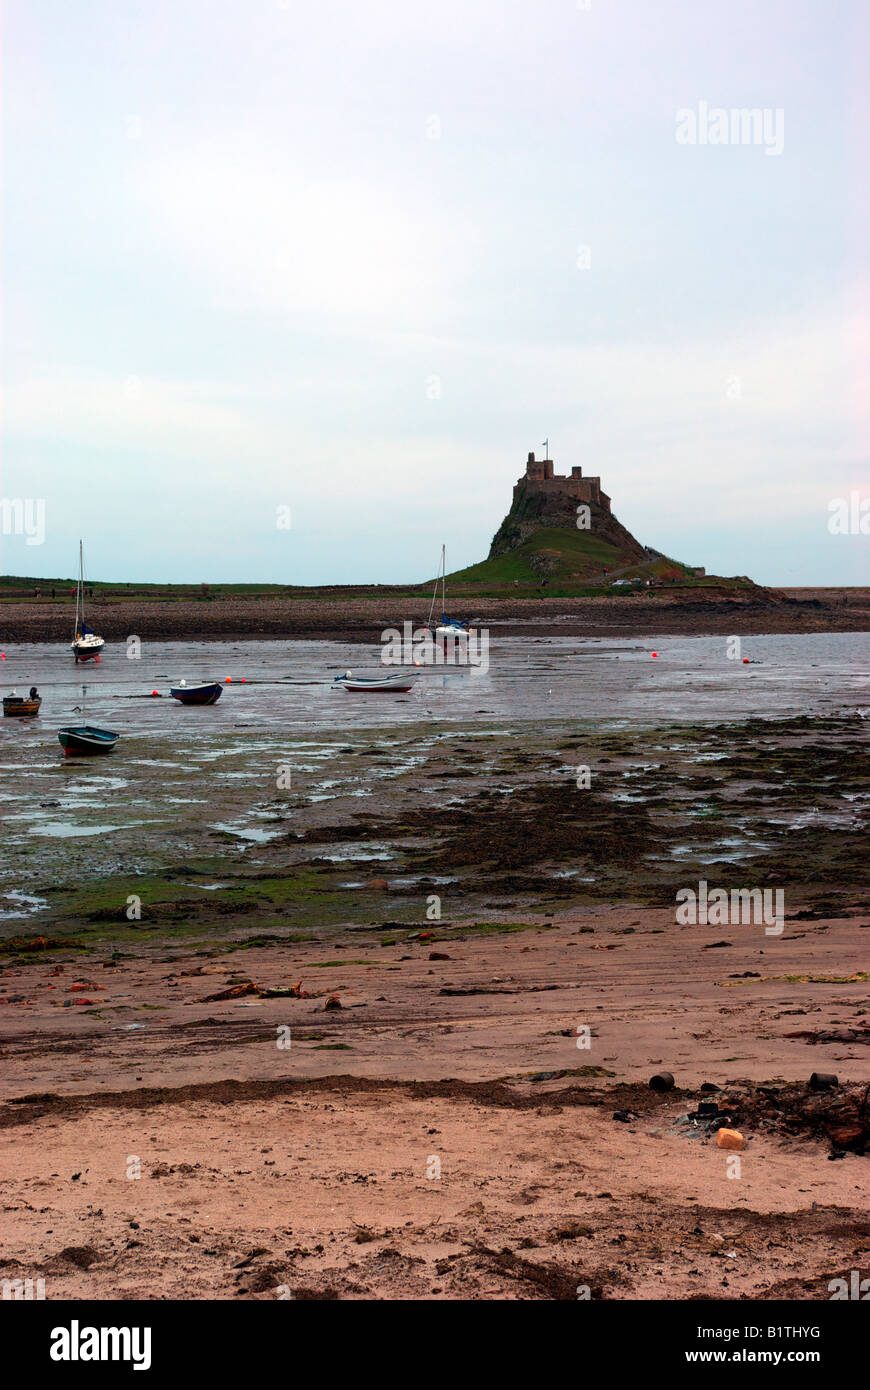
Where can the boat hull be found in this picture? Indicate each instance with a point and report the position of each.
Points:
(372, 685)
(197, 694)
(13, 707)
(86, 740)
(86, 650)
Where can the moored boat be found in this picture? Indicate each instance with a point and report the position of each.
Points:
(455, 629)
(452, 627)
(22, 704)
(205, 694)
(85, 644)
(400, 682)
(86, 739)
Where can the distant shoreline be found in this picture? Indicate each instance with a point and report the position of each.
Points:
(363, 617)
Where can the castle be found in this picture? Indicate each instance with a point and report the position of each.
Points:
(547, 502)
(539, 478)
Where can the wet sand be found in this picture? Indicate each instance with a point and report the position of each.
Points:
(347, 1163)
(427, 915)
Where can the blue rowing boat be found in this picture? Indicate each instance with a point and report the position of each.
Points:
(196, 694)
(86, 739)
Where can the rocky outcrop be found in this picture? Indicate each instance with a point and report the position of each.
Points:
(538, 507)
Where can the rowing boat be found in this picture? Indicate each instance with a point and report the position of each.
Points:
(205, 694)
(20, 704)
(398, 683)
(86, 739)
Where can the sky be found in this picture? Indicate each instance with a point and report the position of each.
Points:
(348, 263)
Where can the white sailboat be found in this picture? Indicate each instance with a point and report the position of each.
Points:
(86, 644)
(448, 627)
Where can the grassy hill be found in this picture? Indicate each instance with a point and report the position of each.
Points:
(568, 555)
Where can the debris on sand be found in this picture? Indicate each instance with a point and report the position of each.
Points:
(241, 991)
(548, 1279)
(15, 944)
(794, 1109)
(662, 1081)
(234, 992)
(484, 989)
(823, 1081)
(363, 1235)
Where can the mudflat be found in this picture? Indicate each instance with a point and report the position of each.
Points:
(402, 1048)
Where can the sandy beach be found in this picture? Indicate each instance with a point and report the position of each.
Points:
(440, 1134)
(404, 1052)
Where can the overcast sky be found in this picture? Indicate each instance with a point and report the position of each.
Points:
(358, 257)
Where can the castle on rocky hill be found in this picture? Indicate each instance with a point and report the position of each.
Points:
(545, 501)
(540, 478)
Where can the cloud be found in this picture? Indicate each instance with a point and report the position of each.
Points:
(122, 413)
(264, 233)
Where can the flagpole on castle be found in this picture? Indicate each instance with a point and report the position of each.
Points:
(546, 448)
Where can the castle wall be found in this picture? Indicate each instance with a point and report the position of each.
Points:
(539, 478)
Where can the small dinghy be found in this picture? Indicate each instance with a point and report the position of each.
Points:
(22, 704)
(398, 683)
(86, 739)
(196, 694)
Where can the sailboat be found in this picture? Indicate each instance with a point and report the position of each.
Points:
(448, 627)
(86, 644)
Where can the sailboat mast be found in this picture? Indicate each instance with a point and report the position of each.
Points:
(79, 595)
(444, 579)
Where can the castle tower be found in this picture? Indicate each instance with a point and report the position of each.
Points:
(538, 469)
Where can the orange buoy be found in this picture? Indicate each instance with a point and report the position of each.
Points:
(729, 1139)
